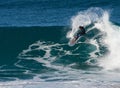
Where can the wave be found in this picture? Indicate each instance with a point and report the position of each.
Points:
(95, 49)
(99, 19)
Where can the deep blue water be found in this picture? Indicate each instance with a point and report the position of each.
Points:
(50, 12)
(34, 47)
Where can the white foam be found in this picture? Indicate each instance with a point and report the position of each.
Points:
(112, 60)
(47, 59)
(92, 83)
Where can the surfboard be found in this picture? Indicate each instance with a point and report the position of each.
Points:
(73, 41)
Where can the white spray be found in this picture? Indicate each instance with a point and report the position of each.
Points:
(100, 19)
(84, 18)
(112, 60)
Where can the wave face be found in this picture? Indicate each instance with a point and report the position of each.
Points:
(37, 56)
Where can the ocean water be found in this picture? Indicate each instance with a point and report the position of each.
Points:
(34, 49)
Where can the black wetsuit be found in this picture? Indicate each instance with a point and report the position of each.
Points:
(80, 33)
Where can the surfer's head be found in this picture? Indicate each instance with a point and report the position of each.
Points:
(81, 27)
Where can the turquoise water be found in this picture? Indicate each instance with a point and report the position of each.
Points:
(25, 44)
(34, 50)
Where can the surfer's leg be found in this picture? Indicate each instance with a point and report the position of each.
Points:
(76, 38)
(78, 35)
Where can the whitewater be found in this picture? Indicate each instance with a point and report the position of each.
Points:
(109, 31)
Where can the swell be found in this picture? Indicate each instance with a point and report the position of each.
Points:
(46, 4)
(15, 39)
(28, 51)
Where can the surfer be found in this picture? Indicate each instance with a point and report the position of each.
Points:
(80, 32)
